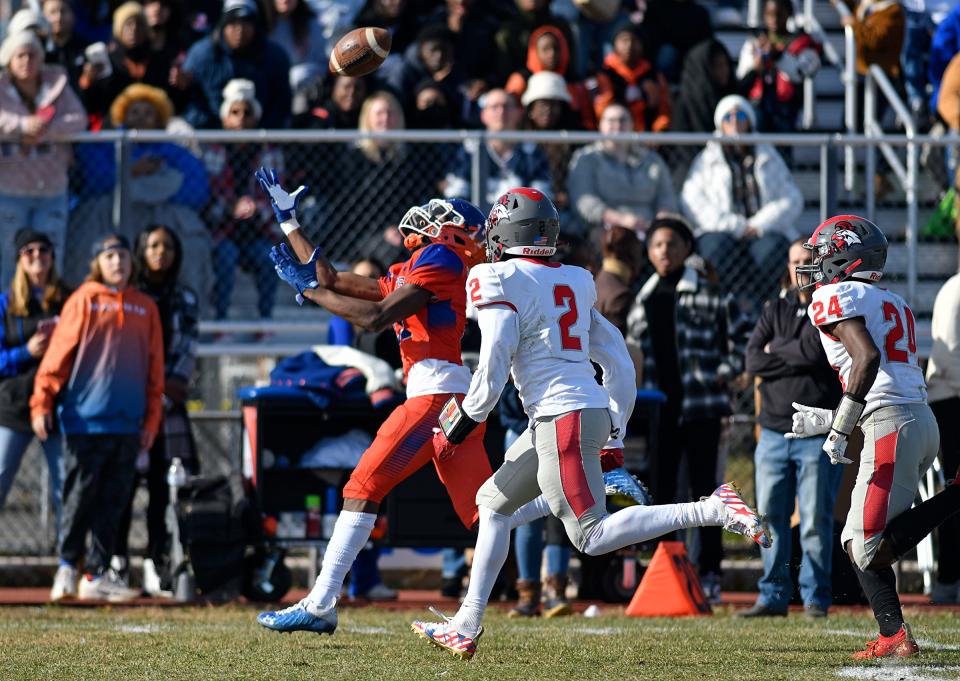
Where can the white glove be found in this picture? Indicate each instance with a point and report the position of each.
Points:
(836, 448)
(809, 421)
(284, 203)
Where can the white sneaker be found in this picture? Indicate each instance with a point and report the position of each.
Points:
(151, 580)
(737, 517)
(381, 592)
(106, 587)
(64, 583)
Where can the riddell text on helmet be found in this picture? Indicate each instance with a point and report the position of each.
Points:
(538, 251)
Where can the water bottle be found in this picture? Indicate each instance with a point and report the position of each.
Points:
(314, 517)
(176, 474)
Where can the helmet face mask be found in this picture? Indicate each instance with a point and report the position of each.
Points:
(429, 219)
(454, 222)
(844, 247)
(523, 222)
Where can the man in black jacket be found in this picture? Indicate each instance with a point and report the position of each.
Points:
(786, 354)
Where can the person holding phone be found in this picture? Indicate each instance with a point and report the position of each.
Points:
(36, 106)
(29, 309)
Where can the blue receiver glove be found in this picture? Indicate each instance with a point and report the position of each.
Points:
(300, 276)
(284, 203)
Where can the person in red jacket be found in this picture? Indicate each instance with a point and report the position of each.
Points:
(103, 372)
(629, 78)
(549, 51)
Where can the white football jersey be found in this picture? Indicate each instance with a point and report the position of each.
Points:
(891, 325)
(551, 365)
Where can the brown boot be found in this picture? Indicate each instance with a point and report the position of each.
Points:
(556, 604)
(528, 602)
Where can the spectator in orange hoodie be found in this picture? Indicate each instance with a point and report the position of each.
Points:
(549, 51)
(103, 372)
(629, 78)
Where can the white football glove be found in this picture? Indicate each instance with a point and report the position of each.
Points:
(809, 421)
(284, 203)
(836, 448)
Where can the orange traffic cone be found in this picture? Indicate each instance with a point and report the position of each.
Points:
(670, 586)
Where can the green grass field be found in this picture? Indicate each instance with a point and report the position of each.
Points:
(226, 643)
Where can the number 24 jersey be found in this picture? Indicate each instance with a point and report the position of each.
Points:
(891, 325)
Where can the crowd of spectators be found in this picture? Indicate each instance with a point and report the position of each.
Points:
(503, 65)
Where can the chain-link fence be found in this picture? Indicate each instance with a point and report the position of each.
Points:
(203, 186)
(360, 186)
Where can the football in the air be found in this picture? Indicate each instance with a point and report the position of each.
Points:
(360, 52)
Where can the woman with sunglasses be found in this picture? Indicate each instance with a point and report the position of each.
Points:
(29, 310)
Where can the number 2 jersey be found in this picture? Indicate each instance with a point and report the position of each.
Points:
(430, 338)
(890, 323)
(538, 324)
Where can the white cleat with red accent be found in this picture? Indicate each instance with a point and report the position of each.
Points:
(445, 636)
(737, 516)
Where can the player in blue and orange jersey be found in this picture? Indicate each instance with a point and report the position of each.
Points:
(424, 299)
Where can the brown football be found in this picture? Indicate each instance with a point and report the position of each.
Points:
(360, 52)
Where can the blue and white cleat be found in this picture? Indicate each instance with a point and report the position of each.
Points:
(619, 482)
(298, 617)
(444, 636)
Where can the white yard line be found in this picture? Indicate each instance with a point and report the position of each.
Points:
(140, 628)
(900, 672)
(365, 630)
(596, 631)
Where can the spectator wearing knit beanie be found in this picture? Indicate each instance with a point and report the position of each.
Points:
(36, 104)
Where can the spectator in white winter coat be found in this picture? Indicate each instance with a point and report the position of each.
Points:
(743, 203)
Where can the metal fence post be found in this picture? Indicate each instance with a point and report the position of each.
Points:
(869, 119)
(121, 190)
(479, 172)
(828, 180)
(912, 226)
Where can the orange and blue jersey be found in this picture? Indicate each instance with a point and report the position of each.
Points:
(104, 365)
(434, 332)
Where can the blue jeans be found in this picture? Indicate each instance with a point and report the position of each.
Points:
(252, 256)
(454, 563)
(528, 543)
(788, 469)
(13, 445)
(47, 214)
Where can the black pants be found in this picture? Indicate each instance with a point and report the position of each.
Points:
(99, 472)
(947, 413)
(159, 498)
(700, 441)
